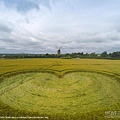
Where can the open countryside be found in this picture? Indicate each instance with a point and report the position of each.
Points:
(59, 88)
(59, 59)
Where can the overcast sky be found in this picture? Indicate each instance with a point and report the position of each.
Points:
(37, 26)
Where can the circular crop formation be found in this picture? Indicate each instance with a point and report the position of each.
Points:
(73, 93)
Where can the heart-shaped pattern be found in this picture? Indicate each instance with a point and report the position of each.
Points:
(47, 94)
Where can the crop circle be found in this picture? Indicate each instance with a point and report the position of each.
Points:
(48, 94)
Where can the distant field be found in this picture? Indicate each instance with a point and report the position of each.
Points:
(59, 88)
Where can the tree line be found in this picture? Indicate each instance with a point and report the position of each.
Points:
(103, 55)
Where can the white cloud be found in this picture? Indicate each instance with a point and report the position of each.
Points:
(78, 27)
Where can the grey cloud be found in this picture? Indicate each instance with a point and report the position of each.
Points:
(117, 26)
(23, 44)
(21, 5)
(106, 37)
(31, 43)
(5, 28)
(114, 48)
(3, 50)
(26, 5)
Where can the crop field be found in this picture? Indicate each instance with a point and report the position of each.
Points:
(60, 89)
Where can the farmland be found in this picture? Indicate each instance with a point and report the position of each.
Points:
(59, 88)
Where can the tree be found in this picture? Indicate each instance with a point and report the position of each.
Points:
(104, 54)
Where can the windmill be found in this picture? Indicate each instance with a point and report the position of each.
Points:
(58, 51)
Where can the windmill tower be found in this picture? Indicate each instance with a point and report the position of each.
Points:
(59, 51)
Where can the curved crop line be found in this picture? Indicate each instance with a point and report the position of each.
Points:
(58, 73)
(14, 73)
(20, 83)
(110, 74)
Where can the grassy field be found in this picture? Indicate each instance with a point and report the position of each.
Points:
(82, 89)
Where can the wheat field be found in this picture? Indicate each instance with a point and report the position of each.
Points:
(68, 89)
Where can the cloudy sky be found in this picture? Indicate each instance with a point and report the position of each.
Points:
(37, 26)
